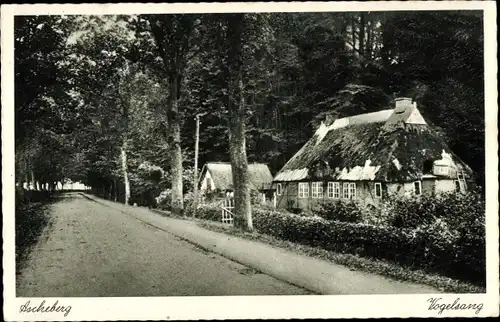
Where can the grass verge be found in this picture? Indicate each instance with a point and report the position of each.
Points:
(31, 220)
(353, 262)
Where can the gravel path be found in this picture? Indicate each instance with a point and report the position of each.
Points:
(91, 250)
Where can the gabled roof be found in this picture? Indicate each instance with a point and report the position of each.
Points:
(221, 172)
(389, 145)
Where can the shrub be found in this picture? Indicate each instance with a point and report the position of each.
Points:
(164, 200)
(376, 215)
(412, 212)
(211, 211)
(457, 209)
(339, 210)
(255, 197)
(188, 200)
(434, 246)
(292, 207)
(210, 196)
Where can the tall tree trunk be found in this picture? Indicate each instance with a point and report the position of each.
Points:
(115, 190)
(175, 146)
(125, 171)
(33, 181)
(239, 162)
(362, 33)
(354, 29)
(369, 40)
(172, 35)
(195, 172)
(342, 28)
(26, 180)
(237, 115)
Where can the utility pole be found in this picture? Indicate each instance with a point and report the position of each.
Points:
(195, 176)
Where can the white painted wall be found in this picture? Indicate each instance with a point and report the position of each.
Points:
(401, 189)
(445, 186)
(59, 186)
(395, 188)
(415, 117)
(408, 189)
(204, 182)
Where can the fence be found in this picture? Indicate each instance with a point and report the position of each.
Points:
(227, 211)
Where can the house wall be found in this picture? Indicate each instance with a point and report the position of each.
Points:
(400, 189)
(204, 182)
(365, 194)
(288, 193)
(428, 186)
(445, 186)
(406, 189)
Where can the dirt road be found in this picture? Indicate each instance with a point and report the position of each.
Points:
(92, 250)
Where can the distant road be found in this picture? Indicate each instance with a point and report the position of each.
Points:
(91, 250)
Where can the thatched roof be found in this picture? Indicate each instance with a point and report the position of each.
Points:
(221, 172)
(389, 145)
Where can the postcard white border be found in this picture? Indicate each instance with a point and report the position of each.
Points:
(248, 307)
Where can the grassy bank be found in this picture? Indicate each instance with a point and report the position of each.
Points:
(354, 262)
(31, 218)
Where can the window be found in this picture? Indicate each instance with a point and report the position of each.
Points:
(352, 190)
(329, 190)
(303, 189)
(417, 188)
(462, 183)
(317, 190)
(345, 190)
(334, 190)
(441, 169)
(378, 190)
(279, 189)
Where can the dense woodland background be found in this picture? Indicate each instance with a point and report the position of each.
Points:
(111, 99)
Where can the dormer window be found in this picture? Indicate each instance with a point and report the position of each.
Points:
(441, 170)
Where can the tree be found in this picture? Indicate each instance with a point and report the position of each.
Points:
(172, 35)
(240, 46)
(44, 106)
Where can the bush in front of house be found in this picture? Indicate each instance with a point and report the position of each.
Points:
(412, 212)
(455, 208)
(433, 246)
(164, 200)
(292, 207)
(210, 211)
(255, 197)
(338, 210)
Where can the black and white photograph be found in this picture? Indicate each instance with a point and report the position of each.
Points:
(218, 155)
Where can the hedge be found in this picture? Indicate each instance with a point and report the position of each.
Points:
(339, 210)
(427, 247)
(211, 211)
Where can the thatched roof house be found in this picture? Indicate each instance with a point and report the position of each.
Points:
(367, 156)
(218, 175)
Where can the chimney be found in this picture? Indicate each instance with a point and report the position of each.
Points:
(402, 111)
(402, 103)
(329, 119)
